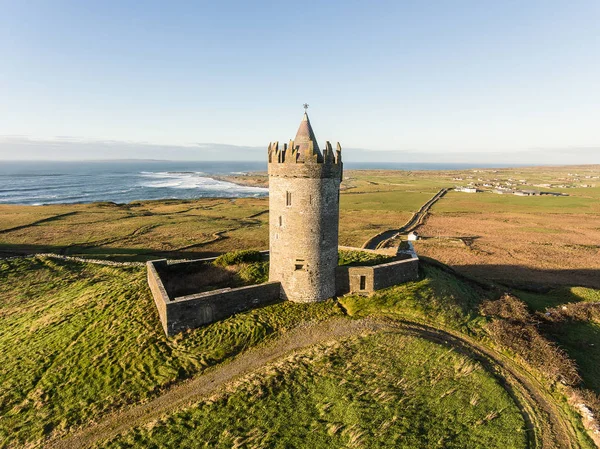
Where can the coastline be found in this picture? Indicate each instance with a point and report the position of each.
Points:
(254, 179)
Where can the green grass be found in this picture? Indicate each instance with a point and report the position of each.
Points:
(79, 340)
(581, 340)
(136, 231)
(423, 395)
(362, 258)
(558, 296)
(438, 297)
(385, 201)
(237, 257)
(457, 202)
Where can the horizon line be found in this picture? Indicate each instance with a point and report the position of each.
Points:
(470, 164)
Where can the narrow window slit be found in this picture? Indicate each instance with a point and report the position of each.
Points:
(363, 282)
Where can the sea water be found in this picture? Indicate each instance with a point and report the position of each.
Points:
(120, 181)
(37, 182)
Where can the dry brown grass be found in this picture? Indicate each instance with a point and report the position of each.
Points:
(514, 328)
(521, 248)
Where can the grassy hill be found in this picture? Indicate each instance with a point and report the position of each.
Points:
(421, 396)
(80, 341)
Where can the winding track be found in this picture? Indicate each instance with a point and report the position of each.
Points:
(547, 426)
(415, 221)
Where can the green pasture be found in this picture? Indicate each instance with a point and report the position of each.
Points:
(79, 340)
(480, 203)
(423, 395)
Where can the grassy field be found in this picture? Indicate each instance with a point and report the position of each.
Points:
(82, 340)
(79, 340)
(422, 396)
(438, 297)
(520, 241)
(181, 228)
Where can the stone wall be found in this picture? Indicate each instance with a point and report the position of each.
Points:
(159, 293)
(191, 311)
(367, 279)
(394, 273)
(178, 314)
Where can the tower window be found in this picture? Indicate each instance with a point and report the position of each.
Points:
(288, 198)
(280, 220)
(363, 282)
(299, 265)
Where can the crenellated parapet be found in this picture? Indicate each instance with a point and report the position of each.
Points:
(290, 154)
(304, 149)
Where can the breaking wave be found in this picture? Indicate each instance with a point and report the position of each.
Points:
(197, 181)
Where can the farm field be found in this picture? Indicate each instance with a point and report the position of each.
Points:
(519, 241)
(187, 228)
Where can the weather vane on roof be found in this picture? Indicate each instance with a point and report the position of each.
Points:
(305, 106)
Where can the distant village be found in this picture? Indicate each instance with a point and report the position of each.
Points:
(512, 186)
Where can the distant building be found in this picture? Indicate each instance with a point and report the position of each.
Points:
(412, 236)
(467, 189)
(527, 193)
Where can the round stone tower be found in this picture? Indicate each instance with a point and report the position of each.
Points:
(304, 195)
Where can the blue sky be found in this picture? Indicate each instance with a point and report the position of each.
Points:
(484, 77)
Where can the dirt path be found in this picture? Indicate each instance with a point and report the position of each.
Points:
(415, 221)
(547, 427)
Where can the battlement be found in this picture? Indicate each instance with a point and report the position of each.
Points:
(291, 154)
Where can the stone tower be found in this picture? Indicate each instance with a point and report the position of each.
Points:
(304, 195)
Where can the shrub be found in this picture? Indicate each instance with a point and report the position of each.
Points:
(507, 307)
(238, 257)
(254, 273)
(514, 328)
(581, 311)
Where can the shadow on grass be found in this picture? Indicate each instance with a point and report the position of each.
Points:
(103, 252)
(532, 279)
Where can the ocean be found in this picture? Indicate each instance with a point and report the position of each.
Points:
(37, 183)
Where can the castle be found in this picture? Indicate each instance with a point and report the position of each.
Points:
(304, 204)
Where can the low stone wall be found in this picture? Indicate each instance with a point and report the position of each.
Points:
(367, 279)
(383, 251)
(394, 273)
(159, 293)
(111, 263)
(191, 311)
(179, 313)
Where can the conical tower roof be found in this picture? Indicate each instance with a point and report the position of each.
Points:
(304, 136)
